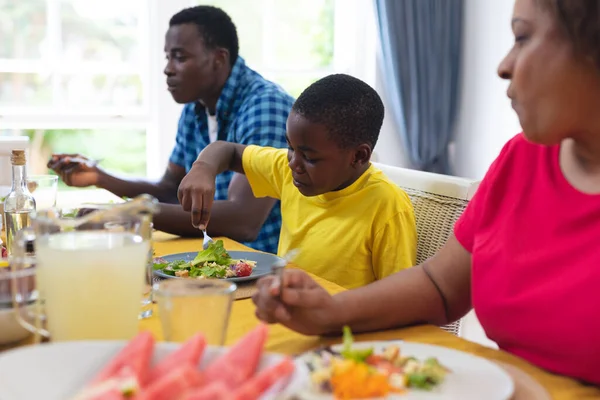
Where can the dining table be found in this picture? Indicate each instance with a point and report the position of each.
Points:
(283, 340)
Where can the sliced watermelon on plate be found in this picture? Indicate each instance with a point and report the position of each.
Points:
(188, 353)
(136, 355)
(214, 391)
(254, 387)
(123, 384)
(173, 385)
(239, 362)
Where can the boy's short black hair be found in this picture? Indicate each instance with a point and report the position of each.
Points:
(350, 109)
(215, 26)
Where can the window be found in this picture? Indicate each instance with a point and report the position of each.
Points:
(73, 73)
(87, 75)
(288, 42)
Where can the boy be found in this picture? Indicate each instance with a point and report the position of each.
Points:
(350, 222)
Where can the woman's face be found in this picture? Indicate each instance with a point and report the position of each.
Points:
(554, 93)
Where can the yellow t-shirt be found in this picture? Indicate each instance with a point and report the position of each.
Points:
(350, 237)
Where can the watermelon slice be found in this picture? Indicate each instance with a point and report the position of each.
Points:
(240, 361)
(101, 393)
(261, 382)
(135, 355)
(172, 385)
(123, 384)
(188, 353)
(214, 391)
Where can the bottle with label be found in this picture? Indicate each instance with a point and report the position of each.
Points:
(19, 203)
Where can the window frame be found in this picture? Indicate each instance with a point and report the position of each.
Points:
(158, 115)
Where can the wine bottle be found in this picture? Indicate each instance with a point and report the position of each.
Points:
(19, 203)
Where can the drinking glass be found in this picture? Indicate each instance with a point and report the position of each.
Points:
(189, 306)
(43, 189)
(145, 229)
(88, 274)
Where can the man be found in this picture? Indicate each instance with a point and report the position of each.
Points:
(224, 100)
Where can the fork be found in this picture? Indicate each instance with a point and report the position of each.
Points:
(207, 240)
(279, 265)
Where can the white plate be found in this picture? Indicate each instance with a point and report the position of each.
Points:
(471, 377)
(57, 371)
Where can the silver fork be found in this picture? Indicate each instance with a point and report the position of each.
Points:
(207, 240)
(279, 265)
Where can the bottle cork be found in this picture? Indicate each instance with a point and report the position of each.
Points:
(17, 157)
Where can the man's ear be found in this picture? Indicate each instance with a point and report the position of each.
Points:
(362, 155)
(221, 58)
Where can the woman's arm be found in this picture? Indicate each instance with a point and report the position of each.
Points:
(437, 292)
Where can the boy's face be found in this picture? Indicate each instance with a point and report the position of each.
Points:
(317, 162)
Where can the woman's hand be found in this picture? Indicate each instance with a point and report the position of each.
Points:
(297, 302)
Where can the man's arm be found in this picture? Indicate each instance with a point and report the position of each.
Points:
(165, 189)
(78, 171)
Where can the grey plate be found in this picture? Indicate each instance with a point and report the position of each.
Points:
(263, 263)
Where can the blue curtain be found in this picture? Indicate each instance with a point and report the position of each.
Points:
(421, 50)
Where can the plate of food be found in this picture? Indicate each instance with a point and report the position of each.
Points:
(141, 369)
(401, 370)
(215, 263)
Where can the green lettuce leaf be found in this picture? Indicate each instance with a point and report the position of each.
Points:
(214, 253)
(359, 355)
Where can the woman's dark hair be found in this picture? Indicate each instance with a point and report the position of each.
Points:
(580, 21)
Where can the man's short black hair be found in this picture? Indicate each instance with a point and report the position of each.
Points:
(215, 26)
(351, 110)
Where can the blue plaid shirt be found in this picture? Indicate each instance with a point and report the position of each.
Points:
(250, 110)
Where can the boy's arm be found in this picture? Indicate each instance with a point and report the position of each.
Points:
(197, 189)
(219, 157)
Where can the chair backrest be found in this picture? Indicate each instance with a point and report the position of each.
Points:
(438, 201)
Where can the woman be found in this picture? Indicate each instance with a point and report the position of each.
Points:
(526, 252)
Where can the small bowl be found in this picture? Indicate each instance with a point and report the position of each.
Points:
(25, 281)
(10, 329)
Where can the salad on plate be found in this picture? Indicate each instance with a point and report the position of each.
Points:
(212, 263)
(355, 372)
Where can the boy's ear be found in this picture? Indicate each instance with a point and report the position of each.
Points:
(362, 155)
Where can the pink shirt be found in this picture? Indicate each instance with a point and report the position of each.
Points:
(535, 245)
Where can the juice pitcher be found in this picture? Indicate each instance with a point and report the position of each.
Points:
(89, 272)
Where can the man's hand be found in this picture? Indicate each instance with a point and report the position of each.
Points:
(196, 193)
(74, 169)
(298, 303)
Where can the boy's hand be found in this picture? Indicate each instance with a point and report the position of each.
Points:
(196, 193)
(302, 305)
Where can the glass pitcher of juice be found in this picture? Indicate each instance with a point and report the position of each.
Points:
(88, 275)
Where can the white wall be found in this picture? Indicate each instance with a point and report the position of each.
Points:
(389, 149)
(486, 120)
